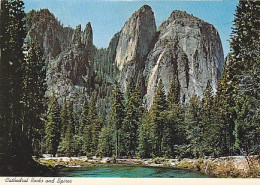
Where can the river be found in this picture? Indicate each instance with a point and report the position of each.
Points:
(124, 171)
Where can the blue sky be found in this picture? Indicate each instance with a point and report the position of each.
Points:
(108, 17)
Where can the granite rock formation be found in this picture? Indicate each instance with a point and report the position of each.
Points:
(68, 53)
(134, 43)
(51, 36)
(72, 68)
(189, 47)
(184, 45)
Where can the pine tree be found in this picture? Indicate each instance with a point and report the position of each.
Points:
(116, 117)
(63, 118)
(240, 80)
(96, 129)
(87, 139)
(87, 134)
(68, 129)
(225, 113)
(33, 95)
(12, 34)
(173, 97)
(95, 126)
(106, 144)
(4, 86)
(52, 128)
(194, 127)
(245, 36)
(245, 48)
(144, 137)
(84, 116)
(247, 126)
(133, 111)
(51, 137)
(173, 134)
(209, 125)
(157, 119)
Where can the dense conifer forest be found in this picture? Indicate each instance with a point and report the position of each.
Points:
(108, 122)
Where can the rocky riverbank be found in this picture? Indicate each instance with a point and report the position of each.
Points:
(232, 166)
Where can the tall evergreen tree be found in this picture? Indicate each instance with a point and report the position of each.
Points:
(209, 124)
(194, 127)
(133, 111)
(245, 48)
(87, 134)
(173, 97)
(116, 117)
(106, 145)
(34, 88)
(157, 119)
(52, 128)
(95, 126)
(84, 116)
(225, 113)
(240, 81)
(144, 137)
(173, 131)
(68, 129)
(12, 35)
(4, 85)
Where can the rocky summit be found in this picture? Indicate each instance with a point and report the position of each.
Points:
(183, 46)
(135, 40)
(189, 48)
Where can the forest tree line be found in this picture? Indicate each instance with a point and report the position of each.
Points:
(221, 124)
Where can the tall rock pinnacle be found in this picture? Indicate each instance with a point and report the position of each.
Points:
(135, 40)
(87, 36)
(76, 38)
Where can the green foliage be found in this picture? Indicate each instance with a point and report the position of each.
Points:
(225, 113)
(105, 143)
(68, 130)
(208, 123)
(247, 126)
(91, 125)
(50, 137)
(77, 142)
(174, 92)
(133, 110)
(93, 128)
(239, 86)
(84, 115)
(14, 145)
(194, 127)
(245, 56)
(174, 132)
(52, 128)
(157, 119)
(34, 88)
(144, 137)
(116, 117)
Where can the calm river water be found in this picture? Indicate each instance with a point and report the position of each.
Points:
(115, 171)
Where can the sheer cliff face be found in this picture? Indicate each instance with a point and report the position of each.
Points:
(68, 52)
(183, 45)
(72, 68)
(48, 32)
(189, 47)
(134, 43)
